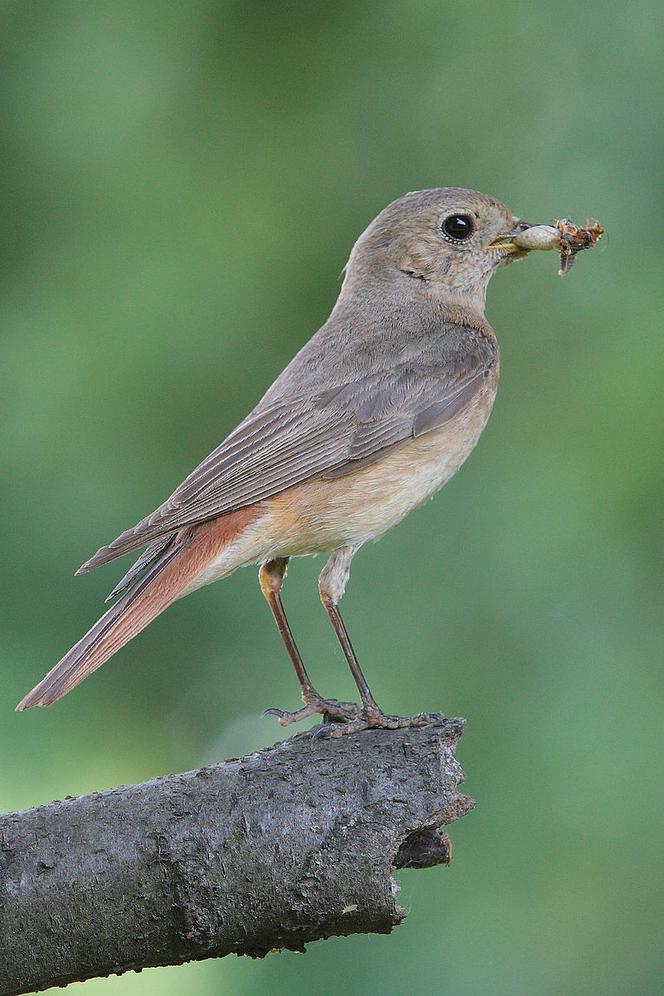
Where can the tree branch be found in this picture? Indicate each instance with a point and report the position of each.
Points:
(282, 847)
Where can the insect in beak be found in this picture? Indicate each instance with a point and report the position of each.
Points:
(564, 236)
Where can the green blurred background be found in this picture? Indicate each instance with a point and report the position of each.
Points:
(181, 184)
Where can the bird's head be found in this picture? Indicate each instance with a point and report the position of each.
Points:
(449, 238)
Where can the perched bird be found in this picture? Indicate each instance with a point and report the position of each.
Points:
(373, 415)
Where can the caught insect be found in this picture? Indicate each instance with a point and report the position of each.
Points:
(574, 238)
(563, 236)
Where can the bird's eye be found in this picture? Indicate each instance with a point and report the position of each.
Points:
(457, 227)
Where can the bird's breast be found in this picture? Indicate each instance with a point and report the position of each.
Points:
(321, 515)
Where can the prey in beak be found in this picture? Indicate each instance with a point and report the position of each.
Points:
(564, 236)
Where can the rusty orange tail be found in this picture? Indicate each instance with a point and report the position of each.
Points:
(173, 572)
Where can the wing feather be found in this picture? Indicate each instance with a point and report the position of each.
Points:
(294, 438)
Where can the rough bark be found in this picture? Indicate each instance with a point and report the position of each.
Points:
(276, 849)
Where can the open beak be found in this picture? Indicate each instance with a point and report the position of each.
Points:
(564, 237)
(507, 241)
(525, 237)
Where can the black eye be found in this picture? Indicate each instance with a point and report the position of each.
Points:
(457, 227)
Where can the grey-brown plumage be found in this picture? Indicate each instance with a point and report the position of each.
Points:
(387, 365)
(370, 418)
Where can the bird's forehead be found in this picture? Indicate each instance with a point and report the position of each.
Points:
(420, 203)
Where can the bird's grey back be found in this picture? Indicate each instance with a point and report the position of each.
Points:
(373, 334)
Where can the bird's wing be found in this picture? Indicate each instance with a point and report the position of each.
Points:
(293, 439)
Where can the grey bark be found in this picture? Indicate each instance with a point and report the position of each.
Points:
(282, 847)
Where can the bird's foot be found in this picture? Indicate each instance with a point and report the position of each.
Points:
(332, 711)
(372, 718)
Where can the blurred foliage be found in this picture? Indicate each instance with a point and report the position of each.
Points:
(180, 187)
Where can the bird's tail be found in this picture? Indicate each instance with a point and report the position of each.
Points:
(175, 571)
(161, 585)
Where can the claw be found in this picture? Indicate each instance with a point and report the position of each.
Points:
(374, 719)
(324, 730)
(329, 709)
(342, 718)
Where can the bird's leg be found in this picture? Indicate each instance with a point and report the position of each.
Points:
(271, 576)
(331, 585)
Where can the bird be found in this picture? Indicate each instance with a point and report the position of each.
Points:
(371, 417)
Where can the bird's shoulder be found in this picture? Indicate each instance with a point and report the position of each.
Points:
(384, 347)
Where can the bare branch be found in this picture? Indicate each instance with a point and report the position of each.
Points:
(277, 849)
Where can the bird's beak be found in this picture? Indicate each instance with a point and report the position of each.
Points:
(564, 237)
(507, 242)
(524, 237)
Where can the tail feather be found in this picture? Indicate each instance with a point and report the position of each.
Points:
(163, 583)
(172, 567)
(148, 557)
